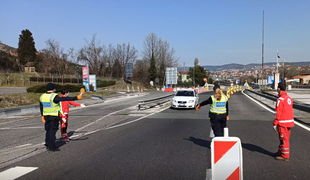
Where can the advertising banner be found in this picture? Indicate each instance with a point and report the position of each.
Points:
(85, 71)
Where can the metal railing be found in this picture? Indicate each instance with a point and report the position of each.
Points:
(300, 107)
(154, 101)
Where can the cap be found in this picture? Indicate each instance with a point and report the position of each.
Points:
(50, 86)
(216, 87)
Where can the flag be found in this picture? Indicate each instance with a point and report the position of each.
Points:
(278, 56)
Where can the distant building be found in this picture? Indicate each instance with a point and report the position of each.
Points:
(29, 67)
(183, 76)
(303, 78)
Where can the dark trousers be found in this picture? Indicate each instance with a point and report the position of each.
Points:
(51, 127)
(218, 123)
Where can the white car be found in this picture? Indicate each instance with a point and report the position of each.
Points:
(185, 98)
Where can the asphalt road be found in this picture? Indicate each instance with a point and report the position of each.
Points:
(16, 90)
(114, 141)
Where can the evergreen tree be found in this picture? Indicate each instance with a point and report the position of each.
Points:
(199, 72)
(26, 47)
(152, 70)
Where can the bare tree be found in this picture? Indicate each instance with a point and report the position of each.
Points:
(92, 54)
(123, 54)
(54, 58)
(163, 54)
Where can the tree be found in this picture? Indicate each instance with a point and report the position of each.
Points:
(124, 54)
(54, 58)
(92, 54)
(152, 69)
(26, 47)
(155, 47)
(197, 73)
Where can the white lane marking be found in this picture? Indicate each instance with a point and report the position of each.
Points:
(297, 123)
(102, 118)
(24, 145)
(16, 172)
(40, 127)
(258, 103)
(129, 122)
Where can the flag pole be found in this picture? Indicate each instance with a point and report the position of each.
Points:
(277, 60)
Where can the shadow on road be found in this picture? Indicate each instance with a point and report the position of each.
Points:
(247, 146)
(200, 142)
(252, 147)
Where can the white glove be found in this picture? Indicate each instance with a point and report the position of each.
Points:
(83, 105)
(64, 120)
(275, 128)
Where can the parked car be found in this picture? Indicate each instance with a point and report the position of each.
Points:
(185, 98)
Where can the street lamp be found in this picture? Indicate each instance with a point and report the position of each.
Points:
(77, 74)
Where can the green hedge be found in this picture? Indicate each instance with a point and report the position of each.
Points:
(42, 88)
(101, 83)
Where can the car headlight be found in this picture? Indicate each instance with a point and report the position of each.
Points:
(173, 100)
(191, 101)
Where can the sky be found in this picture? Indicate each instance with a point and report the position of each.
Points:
(216, 32)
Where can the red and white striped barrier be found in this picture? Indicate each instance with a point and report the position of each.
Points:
(226, 158)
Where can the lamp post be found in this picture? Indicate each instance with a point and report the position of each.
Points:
(77, 74)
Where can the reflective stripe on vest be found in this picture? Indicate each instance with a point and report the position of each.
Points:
(218, 107)
(49, 107)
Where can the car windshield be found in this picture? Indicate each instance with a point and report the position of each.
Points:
(184, 93)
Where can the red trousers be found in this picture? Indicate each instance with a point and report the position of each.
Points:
(63, 126)
(284, 137)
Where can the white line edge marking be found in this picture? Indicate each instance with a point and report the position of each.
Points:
(129, 122)
(297, 123)
(16, 172)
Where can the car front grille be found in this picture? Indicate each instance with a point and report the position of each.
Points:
(183, 102)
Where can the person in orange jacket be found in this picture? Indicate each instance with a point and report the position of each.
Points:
(65, 113)
(283, 122)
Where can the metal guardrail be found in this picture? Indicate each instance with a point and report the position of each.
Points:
(301, 107)
(156, 101)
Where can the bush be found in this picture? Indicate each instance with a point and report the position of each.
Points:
(101, 83)
(42, 88)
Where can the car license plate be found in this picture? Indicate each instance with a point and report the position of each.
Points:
(182, 105)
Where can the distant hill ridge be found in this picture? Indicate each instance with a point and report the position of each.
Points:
(241, 66)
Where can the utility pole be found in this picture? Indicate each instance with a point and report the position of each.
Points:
(263, 53)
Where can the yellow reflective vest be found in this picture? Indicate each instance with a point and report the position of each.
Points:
(218, 107)
(49, 107)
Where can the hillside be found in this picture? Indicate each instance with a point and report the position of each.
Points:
(7, 49)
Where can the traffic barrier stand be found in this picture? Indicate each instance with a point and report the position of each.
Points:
(141, 90)
(211, 133)
(226, 158)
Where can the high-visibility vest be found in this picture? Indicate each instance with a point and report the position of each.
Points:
(218, 107)
(49, 107)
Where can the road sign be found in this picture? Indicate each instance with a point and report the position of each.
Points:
(171, 75)
(205, 79)
(129, 70)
